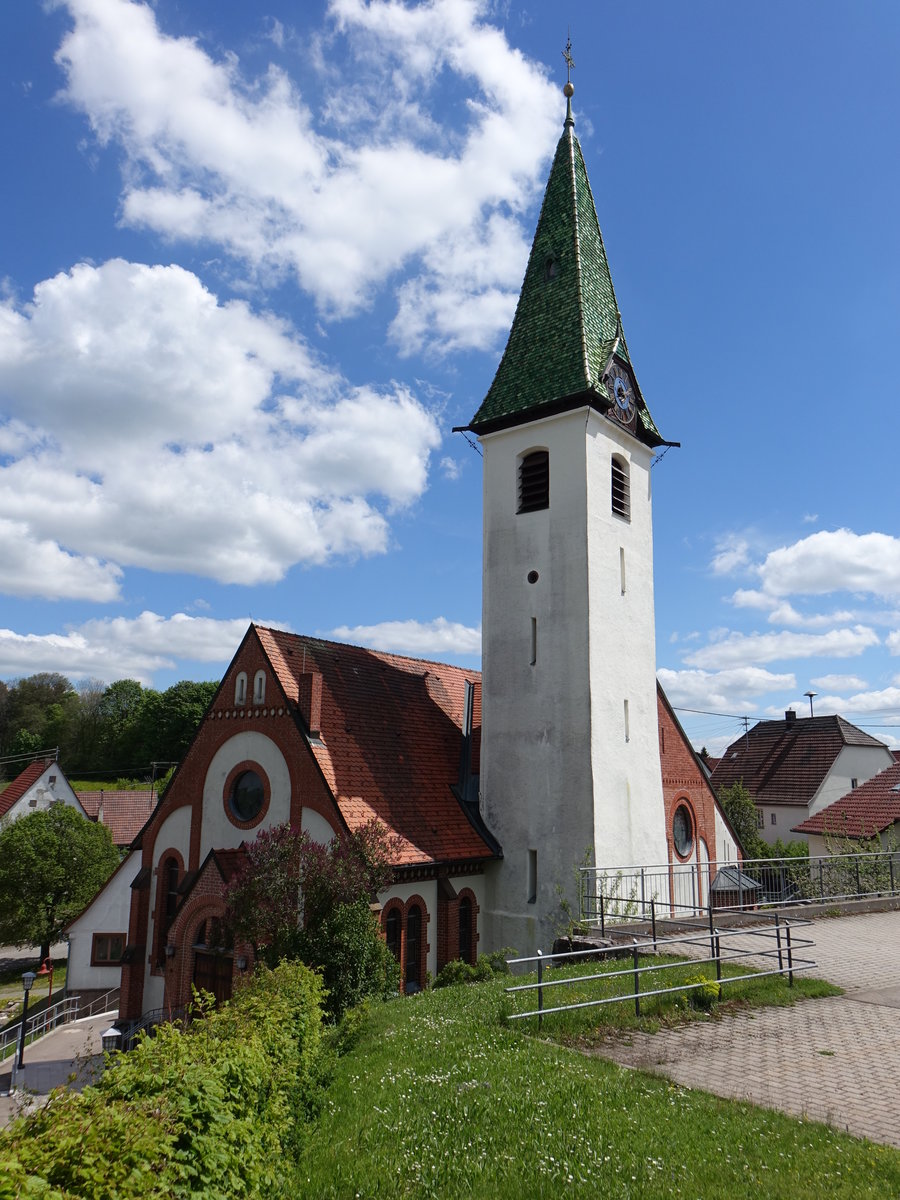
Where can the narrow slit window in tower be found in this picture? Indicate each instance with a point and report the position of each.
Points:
(533, 640)
(622, 568)
(532, 876)
(621, 493)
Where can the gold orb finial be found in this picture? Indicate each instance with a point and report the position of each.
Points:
(569, 90)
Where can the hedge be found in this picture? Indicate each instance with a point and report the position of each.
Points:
(211, 1111)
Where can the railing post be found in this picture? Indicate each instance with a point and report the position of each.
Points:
(858, 884)
(891, 866)
(787, 932)
(712, 950)
(540, 988)
(718, 959)
(637, 980)
(602, 916)
(821, 880)
(778, 940)
(653, 921)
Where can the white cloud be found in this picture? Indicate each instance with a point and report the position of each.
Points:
(732, 553)
(842, 683)
(737, 649)
(432, 639)
(123, 647)
(150, 425)
(722, 691)
(214, 156)
(893, 641)
(834, 561)
(450, 467)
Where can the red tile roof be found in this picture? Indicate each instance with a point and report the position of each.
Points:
(390, 741)
(868, 809)
(125, 813)
(786, 761)
(21, 784)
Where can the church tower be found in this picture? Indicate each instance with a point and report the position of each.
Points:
(570, 762)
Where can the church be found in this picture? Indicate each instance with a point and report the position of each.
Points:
(498, 784)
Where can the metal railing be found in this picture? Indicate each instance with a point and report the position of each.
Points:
(750, 884)
(148, 1023)
(35, 1027)
(779, 948)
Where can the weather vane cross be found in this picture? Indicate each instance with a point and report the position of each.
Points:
(570, 61)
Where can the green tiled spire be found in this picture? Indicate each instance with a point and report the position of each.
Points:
(566, 326)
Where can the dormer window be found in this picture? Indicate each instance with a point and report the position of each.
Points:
(621, 492)
(259, 687)
(534, 481)
(240, 689)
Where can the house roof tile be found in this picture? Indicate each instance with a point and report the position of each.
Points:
(389, 741)
(785, 762)
(863, 812)
(124, 812)
(20, 785)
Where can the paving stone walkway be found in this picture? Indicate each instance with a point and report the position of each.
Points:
(836, 1059)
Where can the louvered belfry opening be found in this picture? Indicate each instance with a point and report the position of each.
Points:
(621, 500)
(534, 481)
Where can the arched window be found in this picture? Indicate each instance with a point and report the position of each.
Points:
(171, 878)
(466, 932)
(534, 481)
(413, 947)
(621, 493)
(240, 689)
(166, 903)
(259, 687)
(393, 925)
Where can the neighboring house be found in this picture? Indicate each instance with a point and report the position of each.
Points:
(578, 749)
(41, 784)
(98, 935)
(125, 813)
(796, 767)
(871, 810)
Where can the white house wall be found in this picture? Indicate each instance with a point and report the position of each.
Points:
(108, 912)
(43, 793)
(853, 762)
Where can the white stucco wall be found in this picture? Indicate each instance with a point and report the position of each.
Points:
(218, 832)
(316, 826)
(853, 762)
(51, 787)
(726, 850)
(108, 912)
(558, 777)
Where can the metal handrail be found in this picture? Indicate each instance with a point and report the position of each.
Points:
(721, 951)
(41, 1023)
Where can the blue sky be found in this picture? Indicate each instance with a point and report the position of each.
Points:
(259, 259)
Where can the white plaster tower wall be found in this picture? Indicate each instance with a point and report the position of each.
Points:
(535, 760)
(629, 811)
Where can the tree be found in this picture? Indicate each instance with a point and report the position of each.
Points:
(52, 863)
(740, 810)
(296, 898)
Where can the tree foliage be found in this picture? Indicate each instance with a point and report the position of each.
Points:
(740, 810)
(52, 862)
(297, 898)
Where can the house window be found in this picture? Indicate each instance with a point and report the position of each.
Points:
(534, 481)
(393, 925)
(854, 783)
(240, 689)
(107, 949)
(773, 819)
(466, 939)
(413, 949)
(760, 819)
(621, 494)
(259, 687)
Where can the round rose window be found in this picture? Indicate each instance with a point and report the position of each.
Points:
(683, 831)
(247, 796)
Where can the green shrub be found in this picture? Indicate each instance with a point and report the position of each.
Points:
(208, 1111)
(496, 960)
(347, 947)
(457, 972)
(704, 993)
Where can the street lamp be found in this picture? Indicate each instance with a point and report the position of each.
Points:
(28, 979)
(109, 1039)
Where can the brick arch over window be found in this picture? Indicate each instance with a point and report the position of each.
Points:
(186, 927)
(413, 918)
(467, 926)
(169, 874)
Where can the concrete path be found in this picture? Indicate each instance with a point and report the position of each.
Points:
(835, 1060)
(71, 1054)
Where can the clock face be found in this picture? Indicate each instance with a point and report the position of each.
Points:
(621, 389)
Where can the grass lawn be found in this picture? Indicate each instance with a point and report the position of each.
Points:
(442, 1096)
